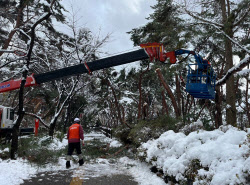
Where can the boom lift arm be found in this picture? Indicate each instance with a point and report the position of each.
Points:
(153, 51)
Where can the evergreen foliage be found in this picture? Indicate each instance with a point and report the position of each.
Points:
(133, 98)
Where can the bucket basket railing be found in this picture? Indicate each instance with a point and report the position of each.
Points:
(201, 81)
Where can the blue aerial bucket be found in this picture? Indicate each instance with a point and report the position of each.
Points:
(201, 81)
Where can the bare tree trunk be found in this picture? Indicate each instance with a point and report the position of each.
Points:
(15, 131)
(187, 103)
(183, 106)
(140, 98)
(67, 117)
(178, 92)
(218, 101)
(123, 114)
(170, 94)
(218, 114)
(164, 104)
(52, 127)
(246, 99)
(14, 144)
(19, 19)
(60, 106)
(140, 93)
(191, 103)
(145, 111)
(199, 114)
(230, 86)
(116, 103)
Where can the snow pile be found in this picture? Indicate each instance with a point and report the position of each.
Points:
(94, 135)
(115, 144)
(14, 171)
(5, 150)
(222, 155)
(57, 144)
(192, 127)
(140, 171)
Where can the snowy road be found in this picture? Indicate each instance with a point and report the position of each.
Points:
(223, 156)
(66, 178)
(122, 170)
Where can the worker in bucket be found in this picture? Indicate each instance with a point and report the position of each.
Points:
(75, 134)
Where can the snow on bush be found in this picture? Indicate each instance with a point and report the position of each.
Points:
(222, 154)
(57, 144)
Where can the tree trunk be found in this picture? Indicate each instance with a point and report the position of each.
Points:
(218, 112)
(246, 99)
(15, 131)
(187, 103)
(52, 127)
(178, 92)
(199, 114)
(116, 103)
(140, 93)
(171, 95)
(230, 86)
(164, 104)
(140, 97)
(19, 22)
(67, 118)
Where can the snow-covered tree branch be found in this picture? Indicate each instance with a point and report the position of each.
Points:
(245, 62)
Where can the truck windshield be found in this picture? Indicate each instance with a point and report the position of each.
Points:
(12, 114)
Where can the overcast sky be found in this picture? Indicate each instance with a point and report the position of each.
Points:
(112, 16)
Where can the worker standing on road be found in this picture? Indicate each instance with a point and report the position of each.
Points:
(75, 133)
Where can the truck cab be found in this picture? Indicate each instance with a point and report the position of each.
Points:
(6, 117)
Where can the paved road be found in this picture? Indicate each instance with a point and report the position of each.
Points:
(93, 172)
(67, 178)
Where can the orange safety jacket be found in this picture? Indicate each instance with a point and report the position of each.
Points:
(75, 133)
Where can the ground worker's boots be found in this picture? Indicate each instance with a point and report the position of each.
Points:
(81, 162)
(68, 164)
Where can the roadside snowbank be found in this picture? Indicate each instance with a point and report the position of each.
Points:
(14, 171)
(140, 171)
(223, 155)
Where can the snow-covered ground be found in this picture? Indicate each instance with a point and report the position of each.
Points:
(224, 153)
(15, 171)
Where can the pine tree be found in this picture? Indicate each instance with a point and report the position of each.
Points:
(221, 21)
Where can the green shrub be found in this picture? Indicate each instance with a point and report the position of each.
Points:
(122, 133)
(151, 129)
(36, 150)
(60, 136)
(5, 154)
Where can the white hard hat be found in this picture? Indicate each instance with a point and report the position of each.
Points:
(77, 120)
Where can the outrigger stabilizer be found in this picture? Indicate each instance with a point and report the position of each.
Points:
(200, 79)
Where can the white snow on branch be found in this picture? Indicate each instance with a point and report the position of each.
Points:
(245, 61)
(23, 32)
(202, 19)
(231, 39)
(244, 72)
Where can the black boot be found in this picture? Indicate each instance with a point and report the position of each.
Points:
(68, 164)
(81, 162)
